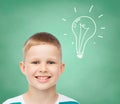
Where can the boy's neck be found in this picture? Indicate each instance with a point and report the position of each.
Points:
(48, 96)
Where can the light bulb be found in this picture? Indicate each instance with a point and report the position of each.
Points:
(83, 28)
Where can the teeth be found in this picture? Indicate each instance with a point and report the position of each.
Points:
(43, 77)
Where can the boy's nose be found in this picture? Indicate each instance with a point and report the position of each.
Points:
(43, 68)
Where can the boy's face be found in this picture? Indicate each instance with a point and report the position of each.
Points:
(42, 66)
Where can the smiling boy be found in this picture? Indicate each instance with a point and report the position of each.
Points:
(42, 65)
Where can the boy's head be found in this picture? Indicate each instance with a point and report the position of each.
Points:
(40, 39)
(42, 64)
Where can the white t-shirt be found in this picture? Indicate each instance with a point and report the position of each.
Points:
(61, 100)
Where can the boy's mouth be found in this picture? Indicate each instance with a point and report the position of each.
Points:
(43, 79)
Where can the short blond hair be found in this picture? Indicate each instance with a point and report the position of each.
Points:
(41, 38)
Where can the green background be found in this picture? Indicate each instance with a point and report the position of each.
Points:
(94, 79)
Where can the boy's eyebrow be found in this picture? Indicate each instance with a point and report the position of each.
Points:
(51, 57)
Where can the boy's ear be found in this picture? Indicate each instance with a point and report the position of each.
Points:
(22, 67)
(62, 67)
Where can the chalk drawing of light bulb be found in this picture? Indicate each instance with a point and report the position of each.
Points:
(83, 29)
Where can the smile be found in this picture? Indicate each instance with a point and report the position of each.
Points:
(43, 79)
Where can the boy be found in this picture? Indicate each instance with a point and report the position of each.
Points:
(42, 65)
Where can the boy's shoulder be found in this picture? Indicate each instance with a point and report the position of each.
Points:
(14, 100)
(61, 100)
(66, 100)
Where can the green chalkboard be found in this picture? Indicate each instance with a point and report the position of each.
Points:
(89, 32)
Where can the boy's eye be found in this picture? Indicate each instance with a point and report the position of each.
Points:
(35, 62)
(51, 62)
